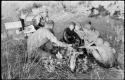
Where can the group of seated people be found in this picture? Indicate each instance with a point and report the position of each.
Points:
(75, 34)
(88, 36)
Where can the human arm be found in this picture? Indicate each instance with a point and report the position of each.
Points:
(53, 39)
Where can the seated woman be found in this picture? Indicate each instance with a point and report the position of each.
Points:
(70, 36)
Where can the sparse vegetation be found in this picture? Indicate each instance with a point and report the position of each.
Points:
(14, 60)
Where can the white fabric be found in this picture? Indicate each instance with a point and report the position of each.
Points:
(103, 53)
(13, 25)
(29, 29)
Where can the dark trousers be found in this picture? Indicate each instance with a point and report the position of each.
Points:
(23, 24)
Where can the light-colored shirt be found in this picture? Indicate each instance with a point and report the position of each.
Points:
(40, 37)
(29, 29)
(104, 54)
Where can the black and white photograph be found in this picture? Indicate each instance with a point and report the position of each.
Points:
(62, 40)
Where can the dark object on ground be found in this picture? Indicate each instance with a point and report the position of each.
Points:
(20, 29)
(116, 14)
(102, 11)
(92, 14)
(92, 10)
(84, 62)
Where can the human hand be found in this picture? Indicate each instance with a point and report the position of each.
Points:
(70, 48)
(55, 44)
(59, 55)
(70, 45)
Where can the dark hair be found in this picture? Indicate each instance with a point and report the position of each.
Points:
(73, 23)
(89, 22)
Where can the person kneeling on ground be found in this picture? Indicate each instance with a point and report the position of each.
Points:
(42, 36)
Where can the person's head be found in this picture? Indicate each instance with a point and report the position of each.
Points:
(99, 41)
(49, 24)
(78, 27)
(72, 25)
(88, 25)
(43, 13)
(106, 43)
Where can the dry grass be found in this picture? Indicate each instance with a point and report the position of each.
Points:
(14, 64)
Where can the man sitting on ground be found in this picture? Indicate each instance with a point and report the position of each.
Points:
(42, 36)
